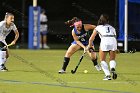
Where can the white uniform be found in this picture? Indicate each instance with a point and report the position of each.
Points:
(43, 18)
(4, 31)
(107, 34)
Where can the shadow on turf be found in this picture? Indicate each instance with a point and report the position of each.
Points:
(21, 71)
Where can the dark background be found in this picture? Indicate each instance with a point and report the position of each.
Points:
(59, 11)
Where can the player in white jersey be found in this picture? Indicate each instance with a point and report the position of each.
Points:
(6, 26)
(108, 43)
(43, 29)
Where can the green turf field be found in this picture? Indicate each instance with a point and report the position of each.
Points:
(36, 71)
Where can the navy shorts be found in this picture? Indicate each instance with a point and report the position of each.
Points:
(43, 33)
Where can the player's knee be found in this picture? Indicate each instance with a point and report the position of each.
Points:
(68, 54)
(91, 49)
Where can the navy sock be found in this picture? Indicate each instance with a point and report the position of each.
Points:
(95, 61)
(66, 62)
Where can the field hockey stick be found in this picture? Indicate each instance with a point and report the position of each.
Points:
(73, 71)
(6, 46)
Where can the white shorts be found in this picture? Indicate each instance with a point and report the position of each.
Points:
(108, 44)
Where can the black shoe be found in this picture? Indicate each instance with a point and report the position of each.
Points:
(114, 74)
(3, 68)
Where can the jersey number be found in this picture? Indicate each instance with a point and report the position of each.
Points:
(82, 39)
(108, 30)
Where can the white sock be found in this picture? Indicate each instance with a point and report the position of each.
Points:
(112, 64)
(104, 66)
(1, 62)
(2, 58)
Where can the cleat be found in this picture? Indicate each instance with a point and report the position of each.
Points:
(108, 77)
(98, 68)
(4, 69)
(114, 74)
(46, 46)
(61, 71)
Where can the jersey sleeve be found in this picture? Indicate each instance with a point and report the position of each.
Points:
(114, 31)
(97, 29)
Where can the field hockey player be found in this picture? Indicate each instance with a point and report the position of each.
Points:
(79, 33)
(6, 26)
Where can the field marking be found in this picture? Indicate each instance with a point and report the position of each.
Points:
(59, 85)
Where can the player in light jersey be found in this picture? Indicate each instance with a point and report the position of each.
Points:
(43, 29)
(108, 43)
(79, 33)
(6, 26)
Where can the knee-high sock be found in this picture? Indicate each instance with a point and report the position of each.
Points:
(65, 63)
(104, 66)
(2, 58)
(95, 62)
(112, 64)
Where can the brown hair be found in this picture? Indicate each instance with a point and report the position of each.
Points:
(104, 19)
(72, 21)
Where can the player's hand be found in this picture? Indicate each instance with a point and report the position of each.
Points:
(13, 43)
(90, 49)
(85, 50)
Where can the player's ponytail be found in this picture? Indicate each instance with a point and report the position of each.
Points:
(72, 21)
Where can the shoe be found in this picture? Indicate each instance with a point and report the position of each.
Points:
(108, 77)
(46, 46)
(61, 71)
(98, 68)
(4, 69)
(40, 46)
(114, 74)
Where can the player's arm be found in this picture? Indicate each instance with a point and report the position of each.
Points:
(89, 27)
(77, 40)
(16, 37)
(91, 39)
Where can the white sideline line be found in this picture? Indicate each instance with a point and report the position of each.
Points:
(66, 86)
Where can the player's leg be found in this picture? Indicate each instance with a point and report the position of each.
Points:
(112, 64)
(104, 64)
(2, 60)
(41, 40)
(44, 41)
(6, 54)
(71, 50)
(3, 56)
(94, 58)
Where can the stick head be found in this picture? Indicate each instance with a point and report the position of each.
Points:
(72, 71)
